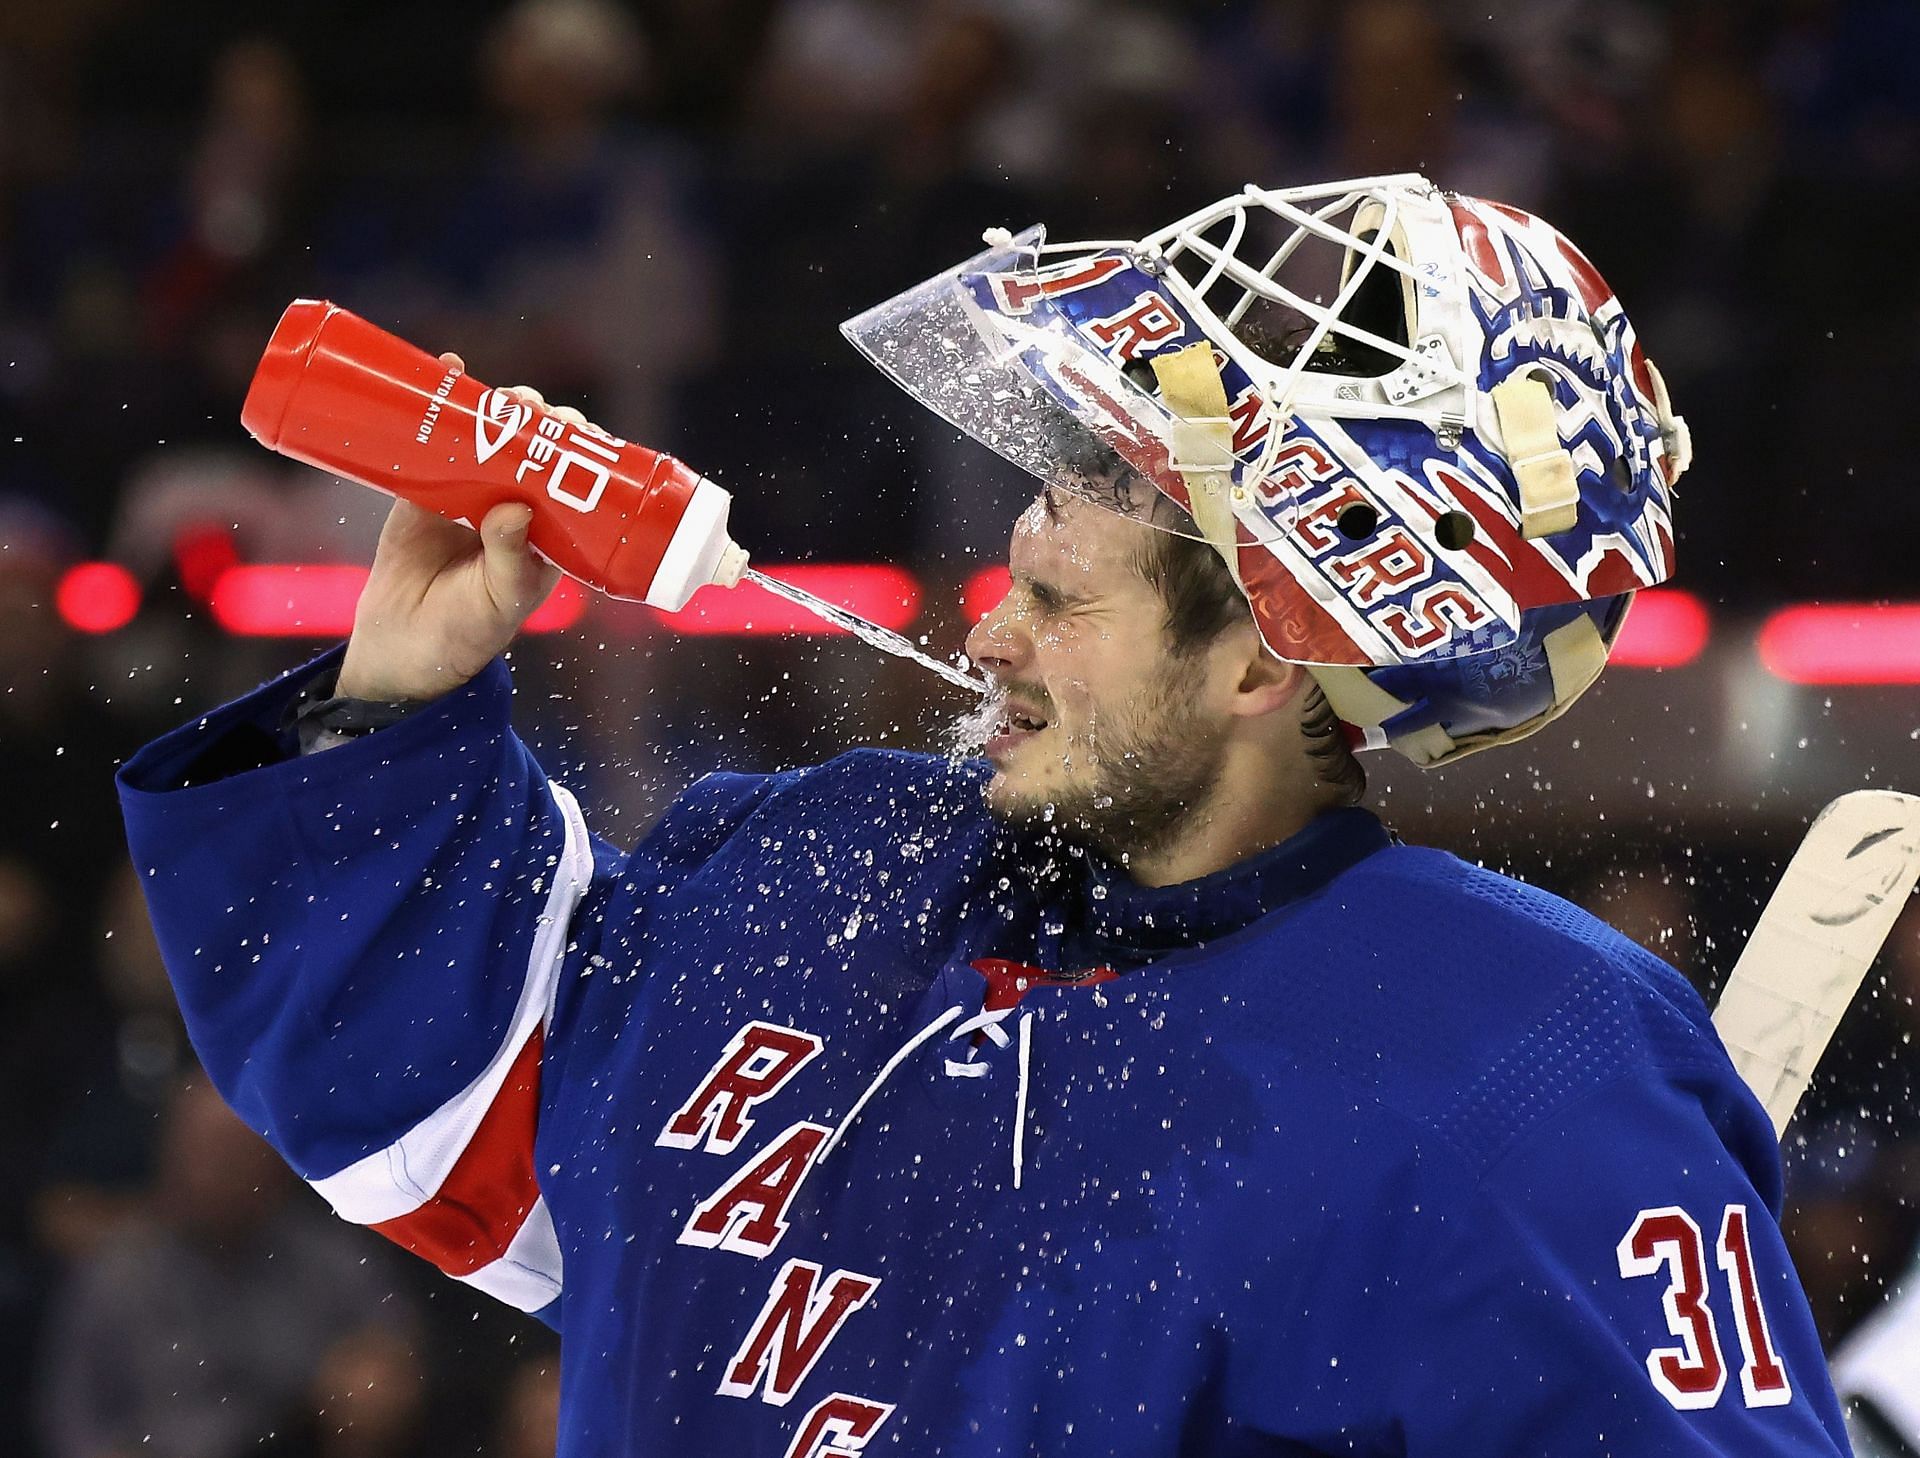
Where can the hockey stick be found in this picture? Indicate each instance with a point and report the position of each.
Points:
(1812, 946)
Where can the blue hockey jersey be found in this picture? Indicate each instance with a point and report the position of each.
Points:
(834, 1119)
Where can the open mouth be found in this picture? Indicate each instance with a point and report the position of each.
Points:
(1017, 725)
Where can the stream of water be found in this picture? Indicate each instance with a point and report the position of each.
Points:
(884, 639)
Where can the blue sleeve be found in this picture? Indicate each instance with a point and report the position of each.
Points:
(367, 944)
(1614, 1283)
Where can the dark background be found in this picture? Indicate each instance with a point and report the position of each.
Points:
(660, 211)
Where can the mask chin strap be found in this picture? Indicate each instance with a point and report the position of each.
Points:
(1191, 388)
(1529, 430)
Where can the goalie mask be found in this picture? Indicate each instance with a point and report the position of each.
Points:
(1417, 427)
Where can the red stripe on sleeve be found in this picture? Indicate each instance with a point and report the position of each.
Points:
(486, 1196)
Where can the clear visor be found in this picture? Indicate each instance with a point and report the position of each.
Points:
(1002, 381)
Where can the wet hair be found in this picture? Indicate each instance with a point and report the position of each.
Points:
(1201, 597)
(1328, 746)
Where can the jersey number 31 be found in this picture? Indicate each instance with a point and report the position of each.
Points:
(1693, 1374)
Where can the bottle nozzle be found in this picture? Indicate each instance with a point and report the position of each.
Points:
(731, 567)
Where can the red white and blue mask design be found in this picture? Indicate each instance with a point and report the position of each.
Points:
(1432, 420)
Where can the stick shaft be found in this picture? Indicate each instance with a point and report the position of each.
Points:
(1814, 942)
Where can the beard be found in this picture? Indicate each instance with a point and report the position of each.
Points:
(1145, 771)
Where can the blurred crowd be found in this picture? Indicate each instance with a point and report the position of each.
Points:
(660, 210)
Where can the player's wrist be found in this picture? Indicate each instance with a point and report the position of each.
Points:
(357, 680)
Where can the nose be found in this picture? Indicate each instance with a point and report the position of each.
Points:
(999, 643)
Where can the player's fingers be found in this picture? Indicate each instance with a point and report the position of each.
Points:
(403, 517)
(414, 530)
(503, 532)
(453, 362)
(517, 579)
(534, 398)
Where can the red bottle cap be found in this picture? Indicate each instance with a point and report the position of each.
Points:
(278, 374)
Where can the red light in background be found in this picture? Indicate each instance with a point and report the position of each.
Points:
(562, 610)
(201, 552)
(274, 600)
(1666, 628)
(1843, 643)
(983, 591)
(888, 596)
(316, 600)
(1830, 643)
(97, 597)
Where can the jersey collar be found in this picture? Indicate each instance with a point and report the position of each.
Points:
(1126, 921)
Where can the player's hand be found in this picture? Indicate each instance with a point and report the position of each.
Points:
(441, 601)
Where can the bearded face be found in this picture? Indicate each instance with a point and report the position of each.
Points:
(1098, 728)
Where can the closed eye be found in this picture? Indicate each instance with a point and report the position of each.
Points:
(1048, 598)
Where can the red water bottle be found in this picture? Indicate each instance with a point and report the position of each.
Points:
(341, 394)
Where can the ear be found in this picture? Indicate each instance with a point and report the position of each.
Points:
(1261, 683)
